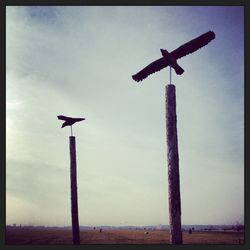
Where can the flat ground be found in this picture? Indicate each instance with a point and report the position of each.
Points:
(21, 236)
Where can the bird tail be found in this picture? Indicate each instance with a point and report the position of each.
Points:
(178, 70)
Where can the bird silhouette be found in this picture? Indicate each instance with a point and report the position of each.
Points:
(69, 121)
(170, 59)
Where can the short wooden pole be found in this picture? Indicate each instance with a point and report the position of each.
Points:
(173, 167)
(74, 204)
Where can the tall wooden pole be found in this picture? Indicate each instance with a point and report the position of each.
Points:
(173, 167)
(73, 179)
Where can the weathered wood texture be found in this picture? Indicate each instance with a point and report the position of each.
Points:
(74, 203)
(173, 167)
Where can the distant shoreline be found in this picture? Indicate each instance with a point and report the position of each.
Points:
(239, 227)
(63, 236)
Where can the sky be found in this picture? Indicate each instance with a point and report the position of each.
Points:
(78, 62)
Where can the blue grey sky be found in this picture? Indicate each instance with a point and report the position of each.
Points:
(78, 61)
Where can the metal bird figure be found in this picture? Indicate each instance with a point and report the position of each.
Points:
(69, 121)
(170, 58)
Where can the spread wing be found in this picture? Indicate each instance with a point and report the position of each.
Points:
(193, 45)
(62, 117)
(150, 69)
(79, 119)
(66, 118)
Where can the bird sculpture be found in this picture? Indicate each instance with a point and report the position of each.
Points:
(69, 121)
(170, 58)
